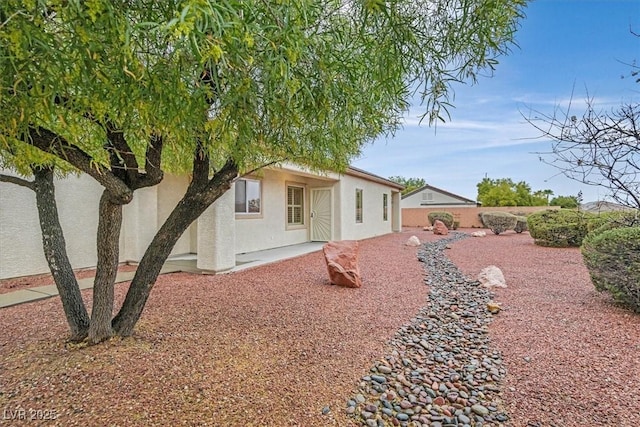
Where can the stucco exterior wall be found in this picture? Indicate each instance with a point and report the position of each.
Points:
(139, 224)
(467, 217)
(216, 235)
(78, 198)
(372, 223)
(20, 237)
(270, 230)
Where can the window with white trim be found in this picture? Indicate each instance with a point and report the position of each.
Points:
(295, 205)
(385, 207)
(248, 196)
(358, 205)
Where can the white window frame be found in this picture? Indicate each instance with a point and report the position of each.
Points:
(301, 206)
(246, 213)
(385, 207)
(359, 206)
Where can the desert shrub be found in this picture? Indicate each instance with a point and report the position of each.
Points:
(482, 220)
(558, 228)
(456, 225)
(612, 257)
(445, 217)
(499, 222)
(521, 224)
(610, 220)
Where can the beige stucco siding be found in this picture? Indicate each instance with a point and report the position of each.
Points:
(20, 237)
(77, 199)
(373, 223)
(139, 225)
(219, 237)
(270, 229)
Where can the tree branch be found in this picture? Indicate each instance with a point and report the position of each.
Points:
(17, 181)
(264, 166)
(201, 163)
(56, 145)
(600, 148)
(124, 152)
(153, 159)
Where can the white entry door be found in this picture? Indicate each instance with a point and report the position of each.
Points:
(321, 218)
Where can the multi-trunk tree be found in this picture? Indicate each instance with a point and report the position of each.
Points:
(125, 91)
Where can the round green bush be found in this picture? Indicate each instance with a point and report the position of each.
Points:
(559, 228)
(610, 220)
(445, 217)
(499, 222)
(613, 260)
(521, 224)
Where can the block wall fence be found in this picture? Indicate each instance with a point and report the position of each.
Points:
(467, 217)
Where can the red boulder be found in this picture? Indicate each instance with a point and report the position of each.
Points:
(342, 263)
(440, 228)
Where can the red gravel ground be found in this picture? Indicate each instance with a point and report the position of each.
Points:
(573, 356)
(274, 345)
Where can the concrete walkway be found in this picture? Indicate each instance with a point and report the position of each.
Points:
(183, 263)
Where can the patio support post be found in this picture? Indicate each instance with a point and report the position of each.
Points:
(217, 235)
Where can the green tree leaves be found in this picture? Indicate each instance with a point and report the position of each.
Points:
(505, 192)
(566, 202)
(410, 184)
(306, 80)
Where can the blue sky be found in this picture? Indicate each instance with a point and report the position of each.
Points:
(564, 46)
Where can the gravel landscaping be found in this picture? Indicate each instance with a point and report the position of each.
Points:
(572, 355)
(278, 345)
(442, 370)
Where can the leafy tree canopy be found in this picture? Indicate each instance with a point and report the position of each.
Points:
(567, 202)
(309, 81)
(410, 184)
(505, 192)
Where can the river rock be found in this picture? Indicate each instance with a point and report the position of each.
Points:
(491, 277)
(413, 241)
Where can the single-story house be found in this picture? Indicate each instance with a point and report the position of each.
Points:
(279, 206)
(431, 197)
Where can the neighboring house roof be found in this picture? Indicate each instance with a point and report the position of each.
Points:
(463, 200)
(353, 171)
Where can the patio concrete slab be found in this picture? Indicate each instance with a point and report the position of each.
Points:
(255, 259)
(19, 297)
(49, 290)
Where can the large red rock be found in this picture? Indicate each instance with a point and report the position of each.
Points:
(440, 228)
(342, 263)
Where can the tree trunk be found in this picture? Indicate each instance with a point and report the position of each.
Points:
(109, 225)
(55, 253)
(196, 200)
